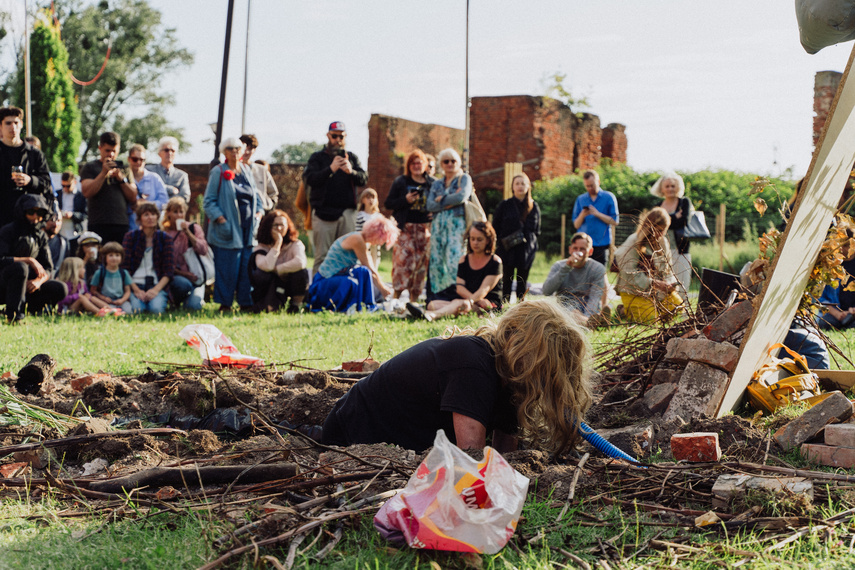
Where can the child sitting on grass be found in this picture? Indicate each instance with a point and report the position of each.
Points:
(111, 283)
(73, 273)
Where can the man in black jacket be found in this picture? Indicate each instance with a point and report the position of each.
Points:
(334, 176)
(23, 168)
(25, 262)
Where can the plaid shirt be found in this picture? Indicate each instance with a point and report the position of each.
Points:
(162, 255)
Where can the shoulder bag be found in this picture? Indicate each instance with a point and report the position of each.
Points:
(473, 210)
(202, 266)
(696, 226)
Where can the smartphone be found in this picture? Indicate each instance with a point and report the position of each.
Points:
(341, 152)
(119, 164)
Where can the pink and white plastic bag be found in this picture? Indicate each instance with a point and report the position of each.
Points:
(215, 348)
(453, 502)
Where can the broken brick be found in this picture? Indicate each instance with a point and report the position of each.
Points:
(634, 440)
(698, 447)
(81, 382)
(728, 487)
(834, 409)
(699, 392)
(9, 470)
(829, 455)
(657, 398)
(367, 365)
(840, 435)
(719, 354)
(729, 322)
(665, 376)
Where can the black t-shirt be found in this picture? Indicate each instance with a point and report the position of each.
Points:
(109, 205)
(32, 161)
(415, 393)
(403, 211)
(474, 277)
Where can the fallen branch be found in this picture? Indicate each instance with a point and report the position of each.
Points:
(208, 475)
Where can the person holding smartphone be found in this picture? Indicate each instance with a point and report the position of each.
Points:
(407, 200)
(109, 190)
(595, 212)
(23, 168)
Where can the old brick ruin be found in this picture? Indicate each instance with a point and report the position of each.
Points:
(825, 84)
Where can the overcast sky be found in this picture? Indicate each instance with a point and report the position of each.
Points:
(698, 84)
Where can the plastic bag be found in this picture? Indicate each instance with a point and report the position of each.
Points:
(823, 23)
(216, 348)
(453, 502)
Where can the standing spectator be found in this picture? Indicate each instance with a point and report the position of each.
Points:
(595, 213)
(150, 187)
(72, 207)
(672, 189)
(407, 199)
(26, 262)
(267, 190)
(233, 207)
(23, 168)
(333, 176)
(183, 287)
(177, 182)
(150, 261)
(578, 281)
(517, 224)
(446, 199)
(277, 267)
(108, 190)
(430, 169)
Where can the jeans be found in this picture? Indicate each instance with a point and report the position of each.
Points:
(232, 271)
(156, 305)
(185, 293)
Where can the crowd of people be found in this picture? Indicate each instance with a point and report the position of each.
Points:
(119, 242)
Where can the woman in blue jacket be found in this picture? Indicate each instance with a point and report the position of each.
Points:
(233, 208)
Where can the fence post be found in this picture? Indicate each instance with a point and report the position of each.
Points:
(511, 170)
(722, 215)
(563, 234)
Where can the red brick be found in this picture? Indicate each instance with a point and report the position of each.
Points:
(830, 456)
(698, 447)
(9, 470)
(834, 409)
(841, 435)
(81, 382)
(699, 392)
(367, 365)
(729, 321)
(657, 398)
(721, 355)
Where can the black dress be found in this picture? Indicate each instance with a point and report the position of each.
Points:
(506, 221)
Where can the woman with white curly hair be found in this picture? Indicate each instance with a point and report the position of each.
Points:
(672, 189)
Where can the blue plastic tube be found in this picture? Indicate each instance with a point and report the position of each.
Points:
(602, 445)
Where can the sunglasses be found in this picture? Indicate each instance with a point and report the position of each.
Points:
(135, 159)
(335, 136)
(66, 185)
(449, 161)
(233, 148)
(33, 212)
(168, 150)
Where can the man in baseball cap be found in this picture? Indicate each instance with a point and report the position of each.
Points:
(334, 177)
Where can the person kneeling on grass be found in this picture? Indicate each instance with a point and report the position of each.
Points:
(110, 283)
(72, 272)
(525, 375)
(479, 276)
(646, 280)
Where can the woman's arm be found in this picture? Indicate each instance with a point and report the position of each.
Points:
(469, 432)
(209, 203)
(124, 298)
(297, 262)
(267, 262)
(397, 198)
(534, 215)
(356, 244)
(436, 191)
(456, 198)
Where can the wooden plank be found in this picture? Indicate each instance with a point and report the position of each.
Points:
(511, 170)
(812, 214)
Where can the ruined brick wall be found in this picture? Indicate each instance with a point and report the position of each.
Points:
(824, 87)
(614, 142)
(390, 139)
(286, 176)
(588, 138)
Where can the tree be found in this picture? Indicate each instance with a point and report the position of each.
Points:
(143, 50)
(55, 114)
(553, 84)
(295, 153)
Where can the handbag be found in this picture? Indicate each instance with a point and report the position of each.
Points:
(473, 210)
(200, 265)
(696, 227)
(511, 241)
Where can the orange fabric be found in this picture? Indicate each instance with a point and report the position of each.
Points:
(303, 205)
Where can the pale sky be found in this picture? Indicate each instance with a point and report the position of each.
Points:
(698, 84)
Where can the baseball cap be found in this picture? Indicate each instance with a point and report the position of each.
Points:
(337, 126)
(89, 237)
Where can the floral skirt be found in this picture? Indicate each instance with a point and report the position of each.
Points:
(410, 258)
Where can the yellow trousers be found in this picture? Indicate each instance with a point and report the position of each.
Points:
(646, 310)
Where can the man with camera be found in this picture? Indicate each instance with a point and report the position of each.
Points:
(108, 190)
(23, 168)
(334, 176)
(595, 213)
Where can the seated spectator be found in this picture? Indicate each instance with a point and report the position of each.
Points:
(72, 207)
(479, 279)
(176, 181)
(88, 246)
(525, 376)
(646, 280)
(578, 281)
(347, 276)
(838, 303)
(149, 260)
(277, 266)
(110, 283)
(150, 186)
(25, 262)
(79, 300)
(60, 247)
(186, 289)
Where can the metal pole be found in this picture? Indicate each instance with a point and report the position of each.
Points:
(466, 135)
(223, 80)
(28, 103)
(245, 68)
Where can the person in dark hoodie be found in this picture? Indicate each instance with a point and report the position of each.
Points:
(26, 263)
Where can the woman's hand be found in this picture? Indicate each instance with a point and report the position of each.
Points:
(663, 286)
(411, 196)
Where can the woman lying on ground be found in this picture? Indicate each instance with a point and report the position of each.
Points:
(525, 375)
(479, 275)
(340, 282)
(277, 266)
(646, 280)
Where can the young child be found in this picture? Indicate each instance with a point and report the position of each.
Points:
(110, 283)
(79, 300)
(367, 209)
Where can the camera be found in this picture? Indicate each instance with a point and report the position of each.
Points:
(149, 282)
(119, 164)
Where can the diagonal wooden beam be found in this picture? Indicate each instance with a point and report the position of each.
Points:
(813, 211)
